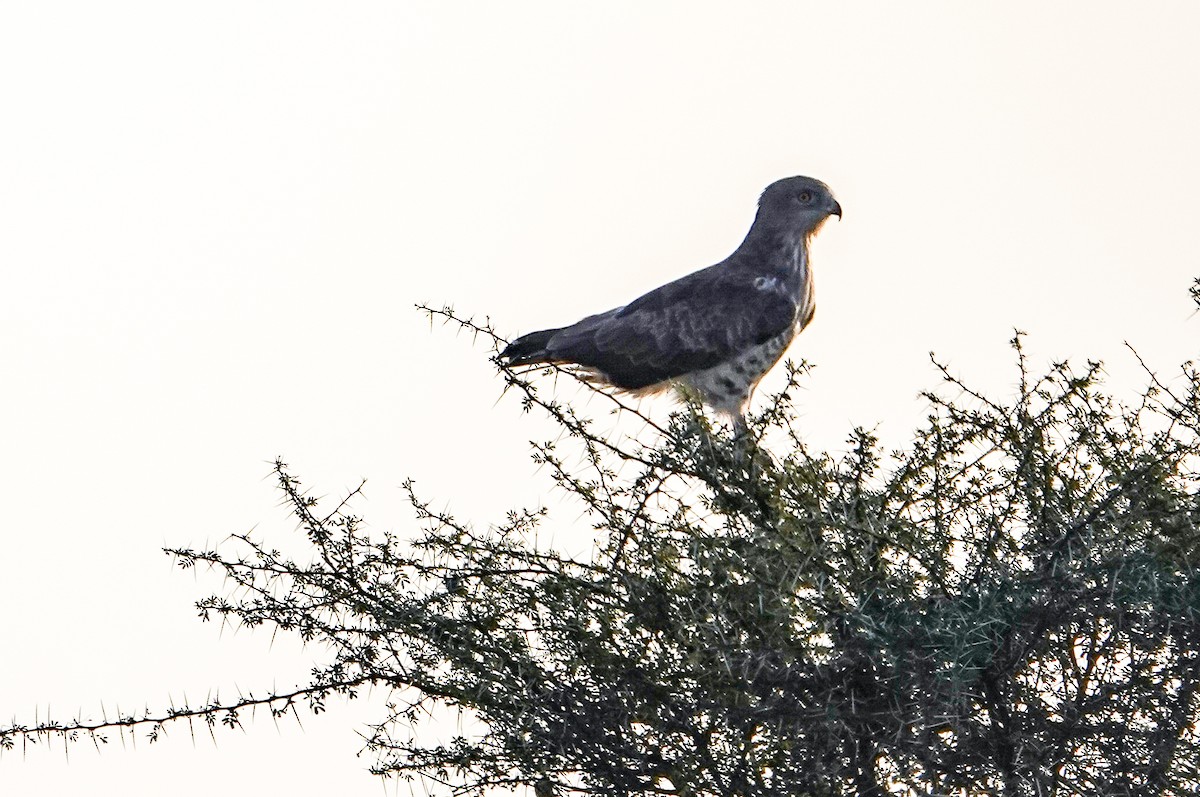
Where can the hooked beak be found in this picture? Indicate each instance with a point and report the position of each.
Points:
(835, 209)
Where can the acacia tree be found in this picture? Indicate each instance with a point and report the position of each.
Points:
(1008, 606)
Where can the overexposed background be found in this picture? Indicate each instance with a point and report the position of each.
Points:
(215, 219)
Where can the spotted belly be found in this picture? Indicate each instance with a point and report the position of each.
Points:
(727, 387)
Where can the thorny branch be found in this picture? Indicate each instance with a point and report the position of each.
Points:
(1009, 606)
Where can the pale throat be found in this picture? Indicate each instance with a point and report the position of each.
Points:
(795, 255)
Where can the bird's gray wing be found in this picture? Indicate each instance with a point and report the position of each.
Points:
(688, 325)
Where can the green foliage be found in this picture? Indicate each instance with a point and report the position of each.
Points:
(1008, 606)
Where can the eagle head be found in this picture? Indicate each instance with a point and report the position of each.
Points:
(798, 205)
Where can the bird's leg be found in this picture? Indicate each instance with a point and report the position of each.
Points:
(746, 448)
(744, 443)
(741, 429)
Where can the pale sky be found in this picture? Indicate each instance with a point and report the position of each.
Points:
(215, 218)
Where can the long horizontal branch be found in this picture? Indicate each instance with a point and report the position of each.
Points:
(208, 712)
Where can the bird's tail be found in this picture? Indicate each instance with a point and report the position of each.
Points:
(529, 348)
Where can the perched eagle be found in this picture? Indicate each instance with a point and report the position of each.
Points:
(716, 331)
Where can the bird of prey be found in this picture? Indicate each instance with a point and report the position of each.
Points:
(716, 331)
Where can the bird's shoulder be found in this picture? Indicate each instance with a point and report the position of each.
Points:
(691, 324)
(710, 314)
(725, 285)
